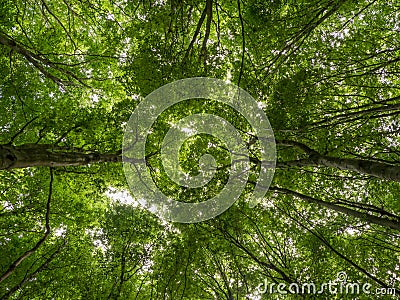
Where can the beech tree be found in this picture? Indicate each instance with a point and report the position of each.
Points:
(324, 72)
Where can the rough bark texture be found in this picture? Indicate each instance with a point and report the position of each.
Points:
(366, 167)
(361, 166)
(33, 155)
(39, 155)
(394, 224)
(376, 169)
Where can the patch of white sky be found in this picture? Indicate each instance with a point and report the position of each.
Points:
(8, 206)
(228, 76)
(390, 126)
(188, 130)
(124, 197)
(355, 230)
(61, 230)
(121, 196)
(110, 16)
(94, 234)
(94, 98)
(124, 52)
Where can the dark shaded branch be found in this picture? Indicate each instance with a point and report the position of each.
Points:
(33, 274)
(41, 63)
(263, 264)
(28, 253)
(342, 256)
(243, 42)
(59, 22)
(355, 115)
(290, 48)
(196, 33)
(299, 145)
(362, 166)
(208, 29)
(21, 130)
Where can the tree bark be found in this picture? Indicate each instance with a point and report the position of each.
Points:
(43, 155)
(362, 166)
(39, 155)
(367, 167)
(386, 222)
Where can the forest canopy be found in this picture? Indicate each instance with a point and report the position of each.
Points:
(325, 73)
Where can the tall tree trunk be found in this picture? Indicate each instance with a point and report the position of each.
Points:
(33, 155)
(43, 155)
(362, 166)
(367, 217)
(367, 167)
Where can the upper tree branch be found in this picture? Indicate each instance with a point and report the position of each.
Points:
(341, 255)
(21, 130)
(33, 274)
(42, 64)
(243, 42)
(208, 29)
(59, 22)
(196, 33)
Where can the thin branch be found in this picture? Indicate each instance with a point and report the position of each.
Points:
(59, 22)
(342, 256)
(196, 33)
(32, 275)
(21, 130)
(41, 63)
(208, 29)
(28, 253)
(243, 42)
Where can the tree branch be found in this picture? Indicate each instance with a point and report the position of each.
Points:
(21, 130)
(199, 24)
(28, 253)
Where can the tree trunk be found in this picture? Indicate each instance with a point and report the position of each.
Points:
(362, 166)
(39, 155)
(43, 155)
(389, 223)
(367, 167)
